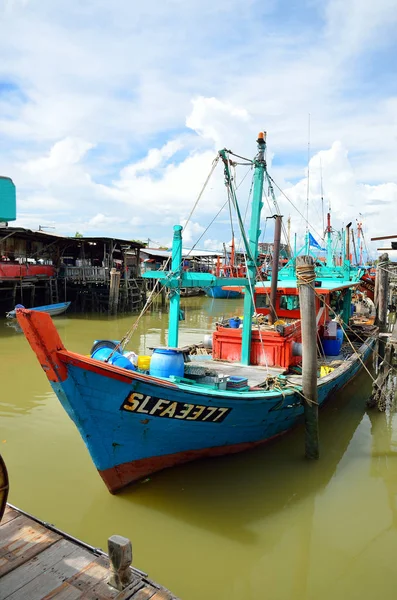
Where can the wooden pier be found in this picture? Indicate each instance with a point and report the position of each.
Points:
(39, 562)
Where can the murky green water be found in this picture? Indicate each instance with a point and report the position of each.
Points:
(261, 524)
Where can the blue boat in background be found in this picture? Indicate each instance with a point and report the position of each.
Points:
(219, 292)
(192, 402)
(51, 309)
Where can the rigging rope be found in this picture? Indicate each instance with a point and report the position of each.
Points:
(214, 164)
(292, 204)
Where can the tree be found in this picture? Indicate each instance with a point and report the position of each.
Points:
(78, 234)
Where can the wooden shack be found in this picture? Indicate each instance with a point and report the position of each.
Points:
(97, 274)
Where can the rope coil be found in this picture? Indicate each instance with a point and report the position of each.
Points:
(305, 274)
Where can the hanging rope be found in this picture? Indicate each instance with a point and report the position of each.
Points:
(214, 164)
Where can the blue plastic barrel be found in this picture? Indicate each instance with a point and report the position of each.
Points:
(117, 359)
(339, 335)
(166, 362)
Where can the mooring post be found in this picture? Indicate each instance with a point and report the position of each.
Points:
(120, 556)
(305, 278)
(382, 276)
(114, 291)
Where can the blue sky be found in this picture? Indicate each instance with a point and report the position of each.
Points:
(111, 113)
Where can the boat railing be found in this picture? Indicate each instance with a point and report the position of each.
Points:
(87, 274)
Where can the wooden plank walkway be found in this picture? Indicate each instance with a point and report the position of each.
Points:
(38, 562)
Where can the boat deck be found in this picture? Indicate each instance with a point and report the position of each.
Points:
(38, 562)
(256, 375)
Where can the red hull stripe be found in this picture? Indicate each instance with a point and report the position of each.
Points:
(118, 477)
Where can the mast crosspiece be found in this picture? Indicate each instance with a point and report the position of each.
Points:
(177, 278)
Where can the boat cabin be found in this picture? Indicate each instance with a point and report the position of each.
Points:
(278, 344)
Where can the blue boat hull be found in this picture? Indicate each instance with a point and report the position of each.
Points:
(51, 309)
(140, 425)
(134, 424)
(218, 292)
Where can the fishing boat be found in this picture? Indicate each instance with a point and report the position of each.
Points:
(51, 309)
(228, 268)
(191, 401)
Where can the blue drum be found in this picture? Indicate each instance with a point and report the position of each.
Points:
(166, 362)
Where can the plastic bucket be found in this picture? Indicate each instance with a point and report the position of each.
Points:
(117, 359)
(331, 347)
(234, 323)
(143, 363)
(165, 362)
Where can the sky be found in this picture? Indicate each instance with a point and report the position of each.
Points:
(111, 113)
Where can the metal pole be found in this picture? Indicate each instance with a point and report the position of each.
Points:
(305, 278)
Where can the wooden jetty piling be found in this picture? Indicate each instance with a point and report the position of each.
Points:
(38, 561)
(306, 277)
(381, 395)
(114, 291)
(382, 288)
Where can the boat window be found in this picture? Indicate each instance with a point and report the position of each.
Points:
(289, 302)
(262, 300)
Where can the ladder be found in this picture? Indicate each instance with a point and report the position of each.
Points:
(54, 296)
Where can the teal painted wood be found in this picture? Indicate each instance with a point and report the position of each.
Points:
(175, 294)
(8, 203)
(252, 257)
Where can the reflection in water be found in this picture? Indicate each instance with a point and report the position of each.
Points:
(264, 523)
(13, 326)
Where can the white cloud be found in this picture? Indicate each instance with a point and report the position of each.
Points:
(113, 113)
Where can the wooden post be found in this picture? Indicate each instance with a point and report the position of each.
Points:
(276, 259)
(382, 276)
(114, 291)
(380, 393)
(305, 278)
(32, 295)
(120, 556)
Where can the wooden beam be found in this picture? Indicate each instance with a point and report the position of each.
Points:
(384, 237)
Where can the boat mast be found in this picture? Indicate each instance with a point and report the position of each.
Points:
(252, 255)
(359, 241)
(329, 240)
(175, 292)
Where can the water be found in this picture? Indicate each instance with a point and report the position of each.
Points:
(260, 524)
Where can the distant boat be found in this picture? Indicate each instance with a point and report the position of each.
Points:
(51, 309)
(226, 269)
(219, 292)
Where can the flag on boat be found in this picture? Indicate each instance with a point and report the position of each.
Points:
(312, 242)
